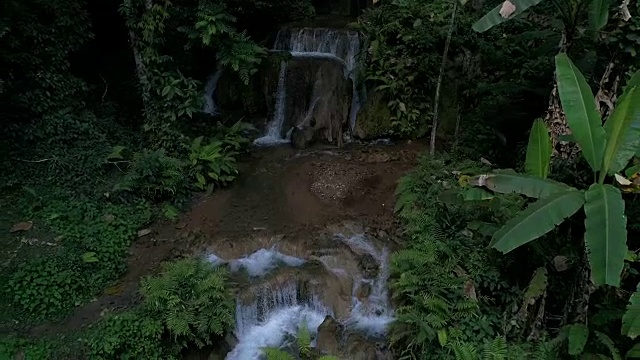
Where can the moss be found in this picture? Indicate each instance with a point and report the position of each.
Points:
(374, 120)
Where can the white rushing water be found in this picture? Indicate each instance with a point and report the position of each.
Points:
(275, 312)
(209, 89)
(274, 128)
(374, 316)
(258, 263)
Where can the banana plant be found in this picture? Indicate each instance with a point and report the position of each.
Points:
(607, 149)
(509, 9)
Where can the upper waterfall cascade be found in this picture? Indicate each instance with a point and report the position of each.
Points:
(336, 45)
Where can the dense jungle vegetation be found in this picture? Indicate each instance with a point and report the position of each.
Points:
(102, 134)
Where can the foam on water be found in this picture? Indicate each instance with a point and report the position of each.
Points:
(258, 263)
(374, 316)
(274, 330)
(263, 261)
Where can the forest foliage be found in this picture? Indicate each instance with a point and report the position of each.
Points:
(102, 133)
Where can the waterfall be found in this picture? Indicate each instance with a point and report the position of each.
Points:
(274, 128)
(339, 45)
(322, 42)
(273, 307)
(209, 89)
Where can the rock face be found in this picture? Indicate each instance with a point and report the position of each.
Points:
(374, 119)
(318, 98)
(302, 138)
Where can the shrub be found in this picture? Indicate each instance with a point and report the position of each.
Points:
(127, 335)
(154, 176)
(191, 300)
(440, 280)
(90, 252)
(211, 164)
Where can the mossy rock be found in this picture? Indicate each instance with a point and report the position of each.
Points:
(374, 119)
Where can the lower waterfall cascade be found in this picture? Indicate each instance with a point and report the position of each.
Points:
(272, 309)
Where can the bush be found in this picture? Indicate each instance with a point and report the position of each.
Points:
(90, 252)
(211, 164)
(154, 176)
(128, 335)
(191, 300)
(446, 283)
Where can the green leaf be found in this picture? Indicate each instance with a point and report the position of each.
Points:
(578, 334)
(508, 183)
(442, 337)
(476, 194)
(632, 170)
(605, 233)
(634, 353)
(538, 150)
(493, 17)
(606, 341)
(631, 318)
(537, 219)
(201, 180)
(89, 257)
(598, 14)
(116, 152)
(537, 286)
(580, 110)
(276, 354)
(623, 131)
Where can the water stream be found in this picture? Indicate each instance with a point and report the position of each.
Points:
(209, 89)
(285, 292)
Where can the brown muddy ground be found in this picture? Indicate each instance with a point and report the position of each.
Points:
(282, 196)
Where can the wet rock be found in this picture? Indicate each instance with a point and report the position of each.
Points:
(358, 348)
(369, 265)
(328, 340)
(363, 291)
(301, 138)
(144, 232)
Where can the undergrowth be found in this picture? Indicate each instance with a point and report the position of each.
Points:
(77, 235)
(187, 304)
(447, 283)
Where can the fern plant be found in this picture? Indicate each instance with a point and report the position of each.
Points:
(215, 27)
(191, 299)
(211, 165)
(499, 349)
(304, 349)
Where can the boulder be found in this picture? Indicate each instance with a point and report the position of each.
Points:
(328, 340)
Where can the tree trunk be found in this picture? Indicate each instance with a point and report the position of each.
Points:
(434, 128)
(141, 69)
(556, 120)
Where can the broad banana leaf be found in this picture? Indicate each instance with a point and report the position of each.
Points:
(623, 133)
(580, 110)
(508, 183)
(538, 150)
(605, 233)
(631, 318)
(537, 219)
(493, 17)
(598, 14)
(578, 334)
